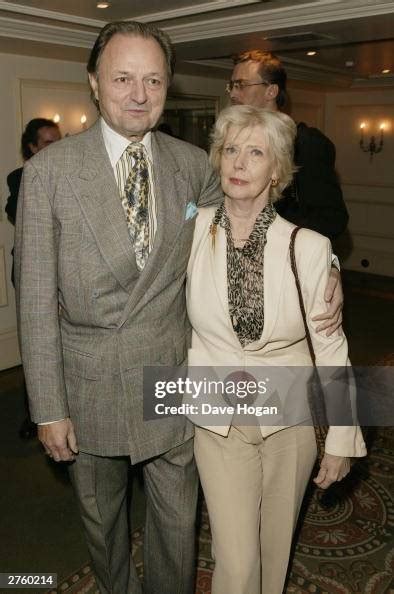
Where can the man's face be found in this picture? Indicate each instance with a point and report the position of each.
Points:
(131, 85)
(256, 95)
(45, 135)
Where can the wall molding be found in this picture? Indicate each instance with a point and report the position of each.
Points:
(373, 235)
(45, 33)
(296, 70)
(350, 182)
(268, 19)
(367, 185)
(193, 10)
(305, 14)
(60, 85)
(373, 82)
(50, 14)
(196, 8)
(69, 99)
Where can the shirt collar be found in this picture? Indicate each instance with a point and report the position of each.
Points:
(115, 143)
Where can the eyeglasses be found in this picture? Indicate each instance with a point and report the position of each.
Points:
(240, 85)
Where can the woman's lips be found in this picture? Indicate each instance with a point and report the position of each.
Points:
(237, 182)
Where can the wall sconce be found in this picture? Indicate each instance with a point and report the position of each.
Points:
(56, 118)
(372, 147)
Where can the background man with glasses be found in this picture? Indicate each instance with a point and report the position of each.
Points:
(314, 199)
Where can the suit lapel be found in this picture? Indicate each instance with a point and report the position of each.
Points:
(96, 190)
(218, 256)
(275, 259)
(171, 194)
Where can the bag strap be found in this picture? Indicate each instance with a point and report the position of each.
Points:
(300, 298)
(315, 393)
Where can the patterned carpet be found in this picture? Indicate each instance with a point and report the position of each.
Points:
(344, 545)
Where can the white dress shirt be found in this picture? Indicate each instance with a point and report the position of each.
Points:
(115, 145)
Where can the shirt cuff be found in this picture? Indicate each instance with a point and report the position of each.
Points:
(335, 262)
(51, 422)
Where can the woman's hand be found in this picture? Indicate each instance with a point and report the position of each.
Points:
(332, 468)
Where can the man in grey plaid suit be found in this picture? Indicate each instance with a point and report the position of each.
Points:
(100, 290)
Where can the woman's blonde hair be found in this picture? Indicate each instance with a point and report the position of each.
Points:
(280, 132)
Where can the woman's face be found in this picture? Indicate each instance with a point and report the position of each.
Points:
(246, 165)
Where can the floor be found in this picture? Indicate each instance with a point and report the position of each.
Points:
(40, 530)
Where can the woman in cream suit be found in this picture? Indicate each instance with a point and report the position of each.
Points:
(244, 309)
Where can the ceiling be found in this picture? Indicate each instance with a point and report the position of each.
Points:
(353, 39)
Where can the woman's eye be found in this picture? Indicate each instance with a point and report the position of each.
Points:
(121, 79)
(230, 150)
(257, 152)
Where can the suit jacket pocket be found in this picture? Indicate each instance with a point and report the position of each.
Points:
(81, 364)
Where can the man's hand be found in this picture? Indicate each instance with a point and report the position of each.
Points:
(333, 295)
(332, 468)
(59, 440)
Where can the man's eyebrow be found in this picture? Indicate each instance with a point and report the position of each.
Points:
(123, 72)
(160, 74)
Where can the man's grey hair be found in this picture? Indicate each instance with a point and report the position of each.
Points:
(136, 29)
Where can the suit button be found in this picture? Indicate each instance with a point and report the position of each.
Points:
(95, 293)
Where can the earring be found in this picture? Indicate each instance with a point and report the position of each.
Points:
(274, 182)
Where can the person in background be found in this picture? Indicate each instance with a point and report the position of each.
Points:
(39, 133)
(314, 198)
(254, 477)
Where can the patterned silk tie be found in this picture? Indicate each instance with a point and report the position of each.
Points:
(135, 202)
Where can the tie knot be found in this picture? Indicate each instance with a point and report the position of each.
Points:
(135, 150)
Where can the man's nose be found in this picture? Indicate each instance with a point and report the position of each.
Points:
(138, 92)
(234, 97)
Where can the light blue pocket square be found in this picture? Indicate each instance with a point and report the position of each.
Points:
(191, 210)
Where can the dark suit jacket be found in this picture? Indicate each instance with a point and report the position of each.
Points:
(314, 200)
(14, 182)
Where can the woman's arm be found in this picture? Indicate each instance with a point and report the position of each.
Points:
(342, 441)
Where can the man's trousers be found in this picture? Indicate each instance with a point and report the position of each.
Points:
(171, 486)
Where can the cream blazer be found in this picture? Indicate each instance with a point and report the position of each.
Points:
(282, 343)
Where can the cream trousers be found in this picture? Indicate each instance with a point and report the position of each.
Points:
(254, 488)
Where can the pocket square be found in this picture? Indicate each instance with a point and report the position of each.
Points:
(191, 210)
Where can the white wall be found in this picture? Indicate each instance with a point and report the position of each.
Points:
(308, 106)
(186, 84)
(12, 70)
(368, 185)
(24, 94)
